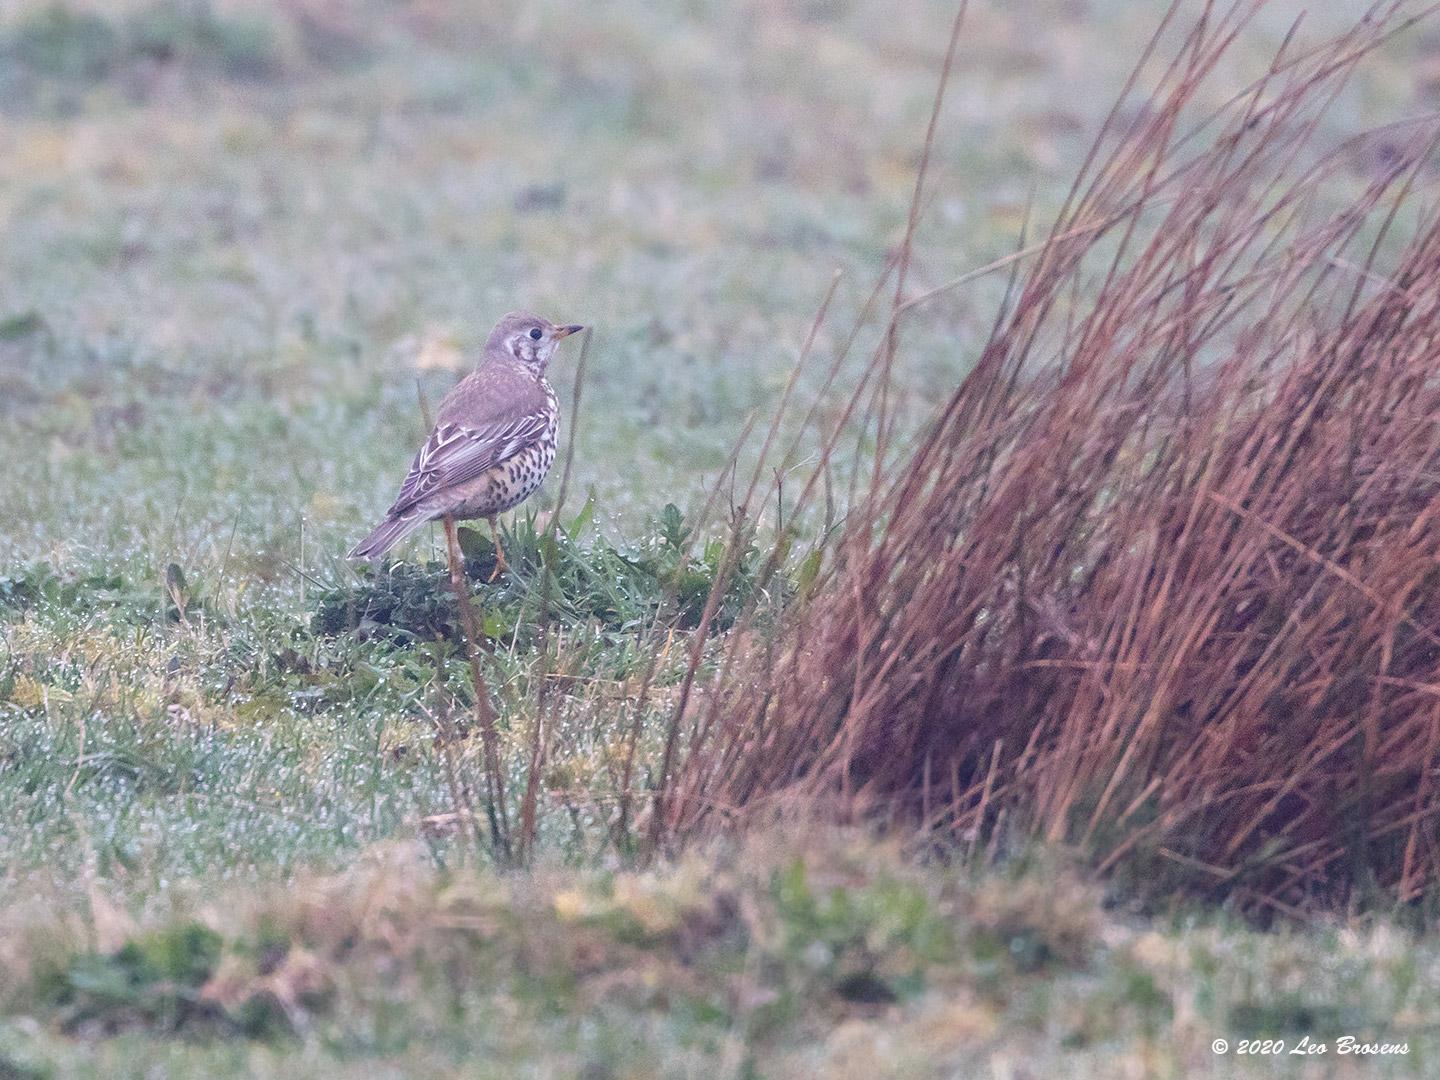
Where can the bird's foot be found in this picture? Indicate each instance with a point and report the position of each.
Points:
(500, 564)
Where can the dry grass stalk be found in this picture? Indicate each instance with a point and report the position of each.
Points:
(484, 711)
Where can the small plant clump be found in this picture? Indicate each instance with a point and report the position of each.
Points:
(620, 589)
(153, 979)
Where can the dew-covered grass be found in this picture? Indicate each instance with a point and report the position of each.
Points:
(233, 239)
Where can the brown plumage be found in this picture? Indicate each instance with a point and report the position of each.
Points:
(494, 438)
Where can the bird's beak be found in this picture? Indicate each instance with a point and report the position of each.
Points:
(566, 331)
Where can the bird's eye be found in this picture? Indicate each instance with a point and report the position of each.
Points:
(535, 334)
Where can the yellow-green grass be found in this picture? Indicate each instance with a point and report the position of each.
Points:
(790, 955)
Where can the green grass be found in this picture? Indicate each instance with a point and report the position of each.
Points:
(235, 236)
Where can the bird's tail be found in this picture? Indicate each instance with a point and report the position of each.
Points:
(386, 535)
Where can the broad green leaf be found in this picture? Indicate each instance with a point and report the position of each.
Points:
(474, 544)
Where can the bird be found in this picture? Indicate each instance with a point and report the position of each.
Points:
(493, 442)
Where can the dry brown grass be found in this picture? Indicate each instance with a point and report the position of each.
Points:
(1160, 578)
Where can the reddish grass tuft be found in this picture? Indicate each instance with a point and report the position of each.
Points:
(1162, 579)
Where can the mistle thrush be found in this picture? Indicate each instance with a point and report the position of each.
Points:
(494, 438)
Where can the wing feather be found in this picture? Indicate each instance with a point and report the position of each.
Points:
(454, 454)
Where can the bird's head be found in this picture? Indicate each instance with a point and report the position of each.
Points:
(527, 338)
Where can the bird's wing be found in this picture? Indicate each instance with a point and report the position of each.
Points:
(455, 453)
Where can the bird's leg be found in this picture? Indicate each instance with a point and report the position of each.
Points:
(500, 563)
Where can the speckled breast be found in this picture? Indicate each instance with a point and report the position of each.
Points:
(520, 477)
(512, 482)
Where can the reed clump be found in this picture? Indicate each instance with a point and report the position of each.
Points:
(1161, 579)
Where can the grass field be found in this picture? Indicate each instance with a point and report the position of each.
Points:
(235, 237)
